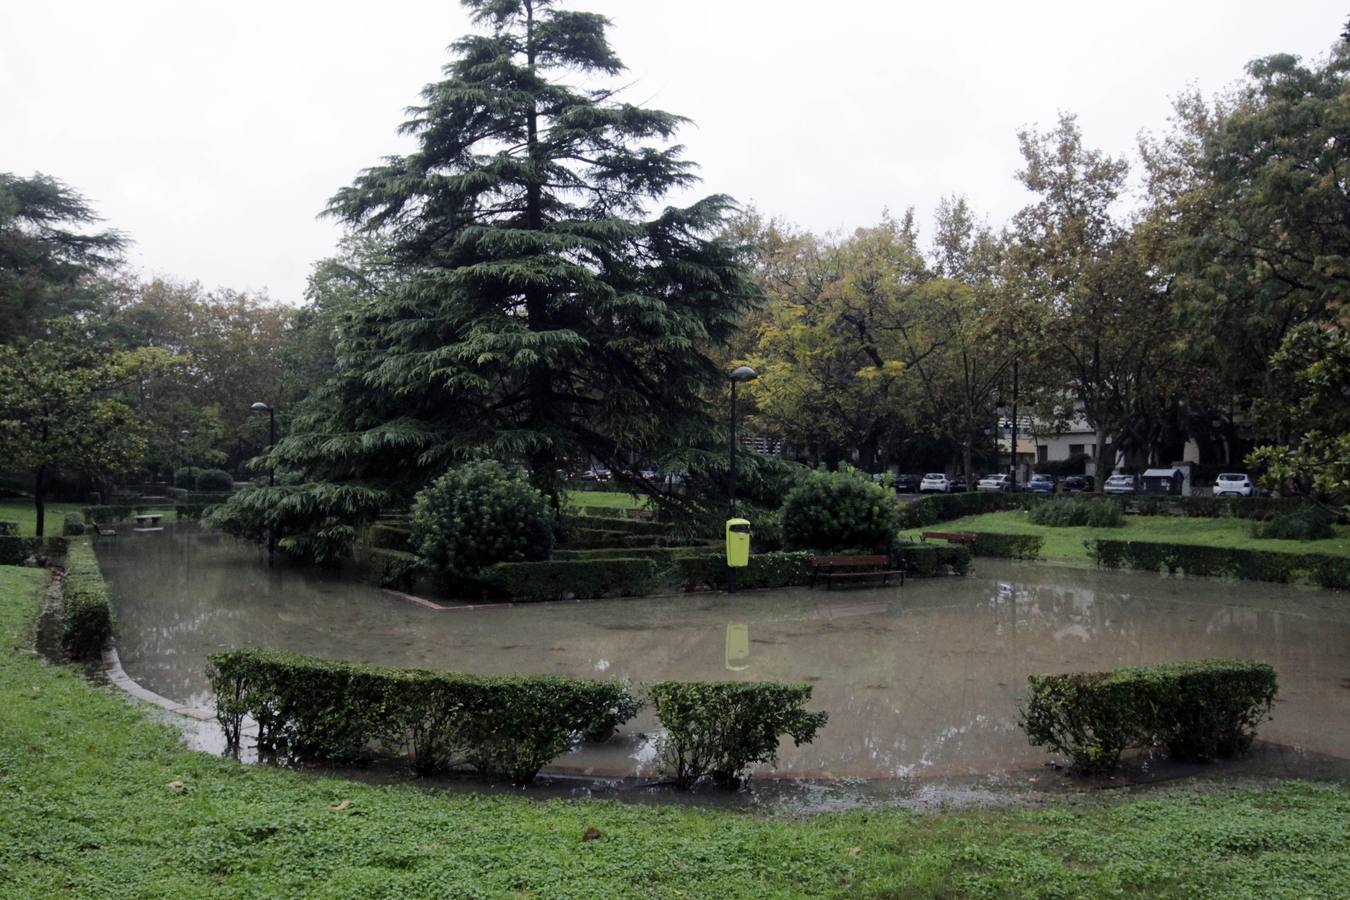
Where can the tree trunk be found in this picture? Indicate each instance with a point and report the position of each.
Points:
(967, 450)
(40, 500)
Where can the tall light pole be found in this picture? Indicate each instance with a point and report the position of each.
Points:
(1001, 409)
(738, 375)
(260, 408)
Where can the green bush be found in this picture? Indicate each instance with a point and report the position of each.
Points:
(1309, 522)
(187, 477)
(945, 507)
(480, 514)
(396, 568)
(109, 513)
(328, 710)
(572, 578)
(1324, 569)
(719, 729)
(1007, 546)
(215, 481)
(837, 510)
(709, 571)
(928, 560)
(389, 537)
(15, 550)
(1197, 710)
(1079, 512)
(86, 608)
(73, 526)
(9, 528)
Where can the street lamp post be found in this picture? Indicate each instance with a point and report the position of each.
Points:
(260, 408)
(1001, 409)
(738, 375)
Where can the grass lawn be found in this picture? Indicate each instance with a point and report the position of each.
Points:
(102, 802)
(1067, 543)
(608, 499)
(22, 511)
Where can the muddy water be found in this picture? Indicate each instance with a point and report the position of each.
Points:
(919, 681)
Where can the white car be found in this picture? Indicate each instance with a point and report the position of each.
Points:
(935, 483)
(1120, 484)
(994, 483)
(1234, 484)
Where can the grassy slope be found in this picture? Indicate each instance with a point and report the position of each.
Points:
(605, 499)
(1067, 543)
(84, 780)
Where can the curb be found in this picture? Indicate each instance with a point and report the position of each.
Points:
(112, 664)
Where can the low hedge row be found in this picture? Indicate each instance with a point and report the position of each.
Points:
(719, 729)
(1247, 565)
(73, 525)
(15, 550)
(630, 526)
(929, 560)
(507, 728)
(659, 555)
(944, 507)
(112, 512)
(386, 536)
(573, 579)
(766, 570)
(86, 607)
(1007, 546)
(1197, 710)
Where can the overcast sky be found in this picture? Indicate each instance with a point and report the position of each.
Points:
(213, 133)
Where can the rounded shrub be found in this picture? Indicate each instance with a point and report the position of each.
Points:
(186, 477)
(480, 514)
(1308, 523)
(215, 481)
(839, 511)
(1065, 513)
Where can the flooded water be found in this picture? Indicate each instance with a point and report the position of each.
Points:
(920, 682)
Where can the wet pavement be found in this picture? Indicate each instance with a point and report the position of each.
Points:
(921, 682)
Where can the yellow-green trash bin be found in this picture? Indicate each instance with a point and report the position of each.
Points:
(738, 543)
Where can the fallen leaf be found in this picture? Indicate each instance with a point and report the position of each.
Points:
(854, 851)
(591, 834)
(1033, 778)
(345, 804)
(176, 786)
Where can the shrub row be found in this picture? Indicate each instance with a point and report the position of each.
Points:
(659, 555)
(630, 526)
(1007, 546)
(945, 507)
(14, 550)
(766, 570)
(1247, 565)
(929, 560)
(113, 512)
(86, 608)
(505, 727)
(573, 579)
(1197, 710)
(1078, 511)
(73, 526)
(389, 537)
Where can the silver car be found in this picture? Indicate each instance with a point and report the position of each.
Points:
(1120, 484)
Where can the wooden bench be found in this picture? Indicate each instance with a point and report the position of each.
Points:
(951, 537)
(838, 568)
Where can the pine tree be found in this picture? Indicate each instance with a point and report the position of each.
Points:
(539, 309)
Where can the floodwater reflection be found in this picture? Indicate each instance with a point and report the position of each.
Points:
(920, 681)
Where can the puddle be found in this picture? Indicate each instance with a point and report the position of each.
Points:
(921, 682)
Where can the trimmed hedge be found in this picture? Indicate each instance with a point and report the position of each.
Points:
(14, 550)
(86, 608)
(629, 526)
(1077, 511)
(1007, 546)
(928, 560)
(719, 729)
(945, 507)
(113, 512)
(573, 579)
(766, 570)
(1323, 569)
(390, 537)
(73, 526)
(1198, 710)
(507, 728)
(9, 528)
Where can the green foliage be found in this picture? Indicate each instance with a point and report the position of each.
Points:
(1197, 710)
(215, 481)
(1236, 562)
(719, 729)
(73, 525)
(839, 510)
(316, 522)
(1007, 546)
(507, 728)
(389, 537)
(15, 550)
(109, 513)
(709, 571)
(396, 569)
(945, 507)
(929, 559)
(480, 514)
(1068, 512)
(86, 607)
(1309, 523)
(8, 528)
(187, 477)
(527, 582)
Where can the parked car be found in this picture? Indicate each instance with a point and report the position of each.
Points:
(1234, 484)
(906, 484)
(1077, 484)
(959, 483)
(994, 483)
(1041, 484)
(1121, 484)
(935, 483)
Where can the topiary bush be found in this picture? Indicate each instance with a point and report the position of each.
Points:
(1197, 710)
(1078, 512)
(215, 481)
(73, 526)
(187, 478)
(839, 510)
(719, 729)
(480, 514)
(929, 560)
(1309, 522)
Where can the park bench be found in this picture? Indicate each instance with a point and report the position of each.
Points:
(848, 568)
(951, 537)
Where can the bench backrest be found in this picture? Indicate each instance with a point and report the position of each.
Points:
(831, 562)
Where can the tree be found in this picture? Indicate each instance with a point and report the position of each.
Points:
(1109, 324)
(539, 313)
(46, 250)
(61, 409)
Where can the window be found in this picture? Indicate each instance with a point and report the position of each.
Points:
(1042, 454)
(1077, 450)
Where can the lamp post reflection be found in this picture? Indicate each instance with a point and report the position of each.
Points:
(738, 648)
